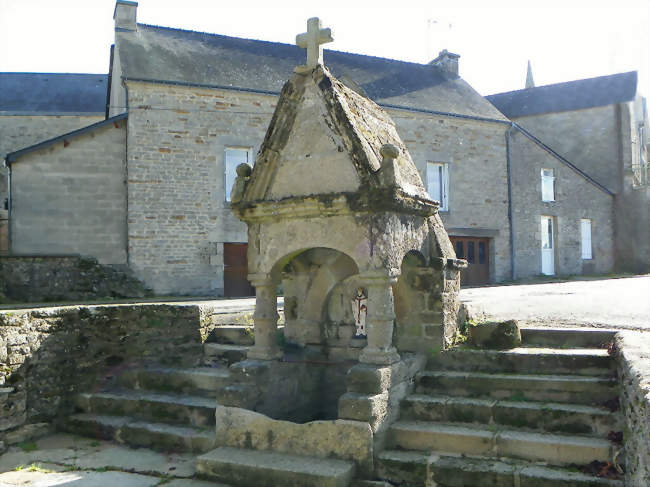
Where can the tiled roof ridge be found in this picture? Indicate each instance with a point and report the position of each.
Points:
(283, 44)
(564, 83)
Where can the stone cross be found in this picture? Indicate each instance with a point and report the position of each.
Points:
(312, 40)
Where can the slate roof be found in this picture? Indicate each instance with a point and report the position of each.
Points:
(52, 93)
(156, 53)
(572, 95)
(14, 156)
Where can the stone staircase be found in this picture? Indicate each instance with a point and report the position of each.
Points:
(164, 408)
(523, 417)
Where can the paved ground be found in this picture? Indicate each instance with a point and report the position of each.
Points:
(616, 303)
(622, 302)
(67, 460)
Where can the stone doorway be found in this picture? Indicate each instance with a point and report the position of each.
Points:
(476, 250)
(235, 271)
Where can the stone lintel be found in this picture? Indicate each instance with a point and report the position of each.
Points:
(375, 200)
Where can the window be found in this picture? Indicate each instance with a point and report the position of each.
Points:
(233, 157)
(548, 185)
(438, 183)
(585, 233)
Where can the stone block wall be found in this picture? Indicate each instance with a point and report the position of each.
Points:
(588, 138)
(178, 215)
(64, 278)
(575, 198)
(475, 154)
(4, 231)
(70, 198)
(634, 379)
(48, 355)
(20, 131)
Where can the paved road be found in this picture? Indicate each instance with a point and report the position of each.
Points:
(619, 303)
(616, 303)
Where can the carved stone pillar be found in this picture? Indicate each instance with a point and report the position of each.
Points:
(380, 319)
(265, 319)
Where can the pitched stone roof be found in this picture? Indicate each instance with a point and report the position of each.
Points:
(572, 95)
(162, 54)
(322, 127)
(52, 93)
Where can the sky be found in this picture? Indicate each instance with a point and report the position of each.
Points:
(564, 40)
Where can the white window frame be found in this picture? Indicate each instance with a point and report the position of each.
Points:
(249, 160)
(444, 197)
(548, 182)
(586, 234)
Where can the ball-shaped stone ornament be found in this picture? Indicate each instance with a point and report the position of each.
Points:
(244, 170)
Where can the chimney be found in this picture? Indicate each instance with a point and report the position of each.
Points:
(125, 15)
(447, 61)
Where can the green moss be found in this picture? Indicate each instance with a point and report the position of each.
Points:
(517, 396)
(28, 446)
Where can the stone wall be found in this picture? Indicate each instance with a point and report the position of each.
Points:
(4, 231)
(575, 198)
(178, 133)
(634, 378)
(588, 138)
(64, 278)
(178, 215)
(70, 198)
(20, 131)
(48, 355)
(475, 154)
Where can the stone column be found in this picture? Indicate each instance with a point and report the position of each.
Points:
(265, 319)
(380, 319)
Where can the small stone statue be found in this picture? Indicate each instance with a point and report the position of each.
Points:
(243, 175)
(359, 310)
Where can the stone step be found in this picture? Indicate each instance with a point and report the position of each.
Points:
(148, 406)
(134, 432)
(576, 361)
(233, 335)
(574, 389)
(247, 468)
(550, 417)
(223, 353)
(566, 337)
(413, 469)
(490, 441)
(199, 381)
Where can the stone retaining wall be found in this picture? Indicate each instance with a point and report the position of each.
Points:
(64, 278)
(48, 355)
(634, 377)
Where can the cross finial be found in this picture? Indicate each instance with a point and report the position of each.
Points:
(312, 40)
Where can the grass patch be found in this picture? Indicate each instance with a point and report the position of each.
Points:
(34, 467)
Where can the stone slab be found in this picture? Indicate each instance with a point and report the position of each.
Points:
(271, 469)
(341, 439)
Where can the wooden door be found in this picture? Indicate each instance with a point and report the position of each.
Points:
(235, 271)
(476, 250)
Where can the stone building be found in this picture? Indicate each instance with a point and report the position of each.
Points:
(35, 107)
(191, 106)
(600, 125)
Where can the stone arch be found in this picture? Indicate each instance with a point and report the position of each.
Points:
(308, 278)
(416, 295)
